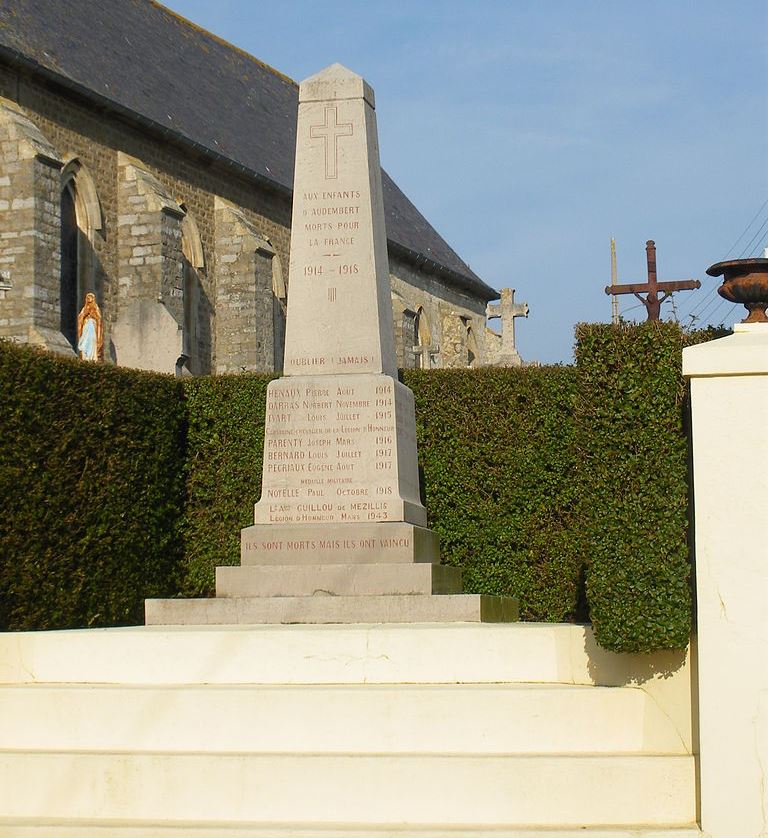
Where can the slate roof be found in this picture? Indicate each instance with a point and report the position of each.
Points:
(152, 66)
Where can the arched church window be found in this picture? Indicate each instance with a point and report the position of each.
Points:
(279, 308)
(193, 262)
(279, 285)
(70, 290)
(410, 339)
(423, 348)
(472, 351)
(80, 221)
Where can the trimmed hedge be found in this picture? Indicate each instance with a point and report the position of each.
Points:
(224, 457)
(632, 453)
(119, 485)
(91, 480)
(496, 448)
(632, 474)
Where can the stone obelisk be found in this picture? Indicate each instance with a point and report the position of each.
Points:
(339, 533)
(340, 437)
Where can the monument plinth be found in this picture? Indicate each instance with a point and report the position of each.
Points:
(340, 511)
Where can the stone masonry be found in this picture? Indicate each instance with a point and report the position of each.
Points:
(246, 326)
(146, 188)
(93, 140)
(148, 332)
(445, 314)
(29, 232)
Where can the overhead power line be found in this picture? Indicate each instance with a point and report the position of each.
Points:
(759, 232)
(757, 242)
(760, 248)
(746, 229)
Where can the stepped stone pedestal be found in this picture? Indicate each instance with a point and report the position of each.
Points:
(340, 533)
(415, 731)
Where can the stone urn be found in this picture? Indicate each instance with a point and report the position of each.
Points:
(745, 281)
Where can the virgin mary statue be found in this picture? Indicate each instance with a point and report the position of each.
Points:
(90, 330)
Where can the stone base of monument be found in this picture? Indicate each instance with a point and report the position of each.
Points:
(336, 580)
(378, 572)
(363, 543)
(361, 573)
(384, 608)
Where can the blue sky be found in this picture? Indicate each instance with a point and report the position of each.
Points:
(530, 132)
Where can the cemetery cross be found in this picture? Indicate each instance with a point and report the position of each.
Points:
(652, 288)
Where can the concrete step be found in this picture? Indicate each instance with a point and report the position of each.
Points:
(367, 719)
(391, 790)
(329, 654)
(34, 828)
(448, 608)
(336, 580)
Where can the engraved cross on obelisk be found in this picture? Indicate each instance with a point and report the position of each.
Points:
(339, 316)
(329, 132)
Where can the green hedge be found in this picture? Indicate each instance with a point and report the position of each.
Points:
(632, 473)
(119, 485)
(632, 468)
(91, 481)
(226, 443)
(496, 449)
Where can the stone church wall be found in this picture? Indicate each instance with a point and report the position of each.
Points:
(29, 232)
(152, 198)
(245, 308)
(96, 140)
(453, 323)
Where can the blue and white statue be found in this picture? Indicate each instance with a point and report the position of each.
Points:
(90, 330)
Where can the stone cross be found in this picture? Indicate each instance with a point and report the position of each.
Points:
(507, 310)
(652, 301)
(424, 355)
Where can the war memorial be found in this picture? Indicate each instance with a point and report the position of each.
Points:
(340, 683)
(340, 511)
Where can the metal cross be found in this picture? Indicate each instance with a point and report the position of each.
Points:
(651, 289)
(329, 132)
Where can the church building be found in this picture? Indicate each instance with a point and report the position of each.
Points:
(147, 162)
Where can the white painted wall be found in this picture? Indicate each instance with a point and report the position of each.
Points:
(729, 394)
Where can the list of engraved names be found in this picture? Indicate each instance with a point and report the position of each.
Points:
(329, 453)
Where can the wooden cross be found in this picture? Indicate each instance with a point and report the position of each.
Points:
(507, 310)
(652, 301)
(329, 132)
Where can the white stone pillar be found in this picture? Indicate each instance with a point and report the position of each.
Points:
(729, 400)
